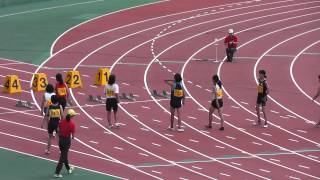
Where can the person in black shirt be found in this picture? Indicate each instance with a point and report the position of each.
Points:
(263, 91)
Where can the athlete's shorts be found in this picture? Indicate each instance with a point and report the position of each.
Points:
(214, 104)
(112, 104)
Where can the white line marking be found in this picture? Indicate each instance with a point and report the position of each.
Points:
(199, 86)
(313, 156)
(170, 135)
(97, 118)
(200, 109)
(190, 82)
(302, 131)
(84, 75)
(192, 140)
(145, 107)
(292, 116)
(244, 103)
(302, 166)
(293, 140)
(226, 114)
(131, 138)
(157, 172)
(272, 159)
(81, 93)
(126, 84)
(182, 150)
(85, 127)
(238, 164)
(223, 174)
(155, 144)
(257, 143)
(251, 120)
(284, 117)
(155, 120)
(230, 137)
(292, 177)
(236, 107)
(265, 170)
(119, 148)
(94, 142)
(276, 112)
(183, 178)
(122, 124)
(93, 86)
(190, 117)
(196, 167)
(221, 147)
(208, 90)
(207, 132)
(144, 129)
(266, 134)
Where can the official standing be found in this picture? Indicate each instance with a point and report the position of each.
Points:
(66, 132)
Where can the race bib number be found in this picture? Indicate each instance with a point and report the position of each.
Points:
(219, 93)
(110, 93)
(178, 93)
(62, 91)
(54, 113)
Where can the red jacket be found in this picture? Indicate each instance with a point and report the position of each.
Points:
(231, 41)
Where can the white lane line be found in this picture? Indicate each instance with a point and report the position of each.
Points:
(190, 82)
(144, 129)
(284, 117)
(183, 178)
(235, 107)
(208, 90)
(244, 102)
(221, 147)
(251, 120)
(266, 134)
(142, 154)
(155, 120)
(84, 75)
(305, 167)
(182, 150)
(170, 135)
(302, 131)
(107, 132)
(93, 86)
(155, 144)
(200, 109)
(192, 140)
(97, 118)
(313, 156)
(230, 137)
(292, 177)
(207, 132)
(190, 117)
(199, 86)
(157, 172)
(126, 84)
(223, 174)
(226, 114)
(276, 112)
(84, 127)
(272, 159)
(263, 170)
(122, 124)
(292, 116)
(131, 138)
(237, 164)
(169, 70)
(145, 107)
(94, 142)
(136, 116)
(119, 148)
(81, 93)
(256, 143)
(293, 140)
(164, 67)
(196, 167)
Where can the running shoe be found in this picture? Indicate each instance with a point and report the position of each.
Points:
(265, 125)
(180, 129)
(47, 152)
(71, 170)
(117, 125)
(57, 176)
(170, 128)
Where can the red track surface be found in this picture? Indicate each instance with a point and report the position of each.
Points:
(272, 35)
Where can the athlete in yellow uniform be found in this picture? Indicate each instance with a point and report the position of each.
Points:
(217, 102)
(111, 91)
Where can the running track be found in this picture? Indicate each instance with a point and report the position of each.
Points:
(143, 49)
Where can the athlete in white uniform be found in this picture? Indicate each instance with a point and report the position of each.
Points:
(46, 102)
(111, 92)
(217, 102)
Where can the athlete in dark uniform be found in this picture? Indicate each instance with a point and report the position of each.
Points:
(263, 91)
(55, 114)
(177, 100)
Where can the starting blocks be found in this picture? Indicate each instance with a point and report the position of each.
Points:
(129, 97)
(24, 104)
(12, 84)
(163, 95)
(97, 99)
(73, 79)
